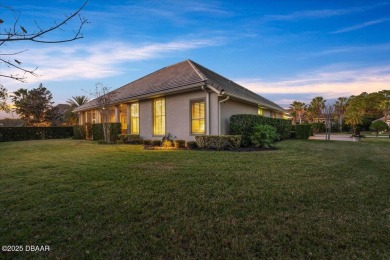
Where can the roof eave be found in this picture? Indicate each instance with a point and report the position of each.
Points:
(172, 91)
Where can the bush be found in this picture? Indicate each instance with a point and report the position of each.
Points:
(156, 142)
(34, 133)
(218, 142)
(147, 142)
(180, 144)
(264, 136)
(192, 145)
(243, 125)
(303, 131)
(378, 126)
(318, 127)
(130, 139)
(97, 131)
(78, 132)
(167, 143)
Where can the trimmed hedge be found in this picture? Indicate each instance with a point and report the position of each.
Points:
(97, 131)
(243, 124)
(8, 134)
(303, 131)
(130, 139)
(192, 145)
(180, 144)
(318, 127)
(218, 142)
(156, 142)
(78, 132)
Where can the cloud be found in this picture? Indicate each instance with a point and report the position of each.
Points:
(331, 82)
(345, 49)
(99, 60)
(360, 26)
(323, 13)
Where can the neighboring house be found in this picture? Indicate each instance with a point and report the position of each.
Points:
(60, 117)
(184, 99)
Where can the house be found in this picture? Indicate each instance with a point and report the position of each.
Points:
(184, 99)
(386, 120)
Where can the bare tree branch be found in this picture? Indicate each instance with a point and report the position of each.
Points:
(16, 35)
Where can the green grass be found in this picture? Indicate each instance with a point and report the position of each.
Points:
(309, 199)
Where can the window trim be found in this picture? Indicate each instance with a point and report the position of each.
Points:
(198, 100)
(131, 119)
(154, 118)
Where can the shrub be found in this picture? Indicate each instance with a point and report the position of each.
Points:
(97, 131)
(218, 142)
(264, 136)
(147, 142)
(167, 143)
(130, 138)
(378, 126)
(180, 144)
(156, 142)
(243, 125)
(318, 127)
(303, 131)
(78, 132)
(192, 145)
(34, 133)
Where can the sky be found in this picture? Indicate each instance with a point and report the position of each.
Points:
(282, 50)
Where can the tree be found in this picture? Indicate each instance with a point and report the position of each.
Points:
(353, 117)
(378, 126)
(3, 99)
(34, 106)
(76, 101)
(17, 32)
(103, 101)
(315, 107)
(385, 107)
(328, 112)
(298, 109)
(340, 108)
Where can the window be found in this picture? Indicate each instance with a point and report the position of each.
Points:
(260, 111)
(134, 118)
(159, 116)
(197, 117)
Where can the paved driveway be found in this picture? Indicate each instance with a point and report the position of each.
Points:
(334, 137)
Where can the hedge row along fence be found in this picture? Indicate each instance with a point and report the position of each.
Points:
(8, 134)
(243, 125)
(95, 131)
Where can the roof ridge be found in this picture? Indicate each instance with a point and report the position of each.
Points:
(201, 75)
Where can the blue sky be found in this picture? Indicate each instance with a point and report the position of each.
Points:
(282, 50)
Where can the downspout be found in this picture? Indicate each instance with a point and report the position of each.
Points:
(207, 109)
(219, 113)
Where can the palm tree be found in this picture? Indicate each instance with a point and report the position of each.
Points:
(77, 101)
(353, 117)
(315, 107)
(340, 108)
(74, 102)
(298, 109)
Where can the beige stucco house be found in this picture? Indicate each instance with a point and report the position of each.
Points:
(184, 99)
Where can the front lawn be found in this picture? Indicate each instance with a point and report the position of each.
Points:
(309, 199)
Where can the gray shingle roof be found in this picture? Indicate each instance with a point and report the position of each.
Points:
(183, 75)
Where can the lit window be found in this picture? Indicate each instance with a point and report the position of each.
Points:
(197, 117)
(260, 111)
(159, 116)
(134, 118)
